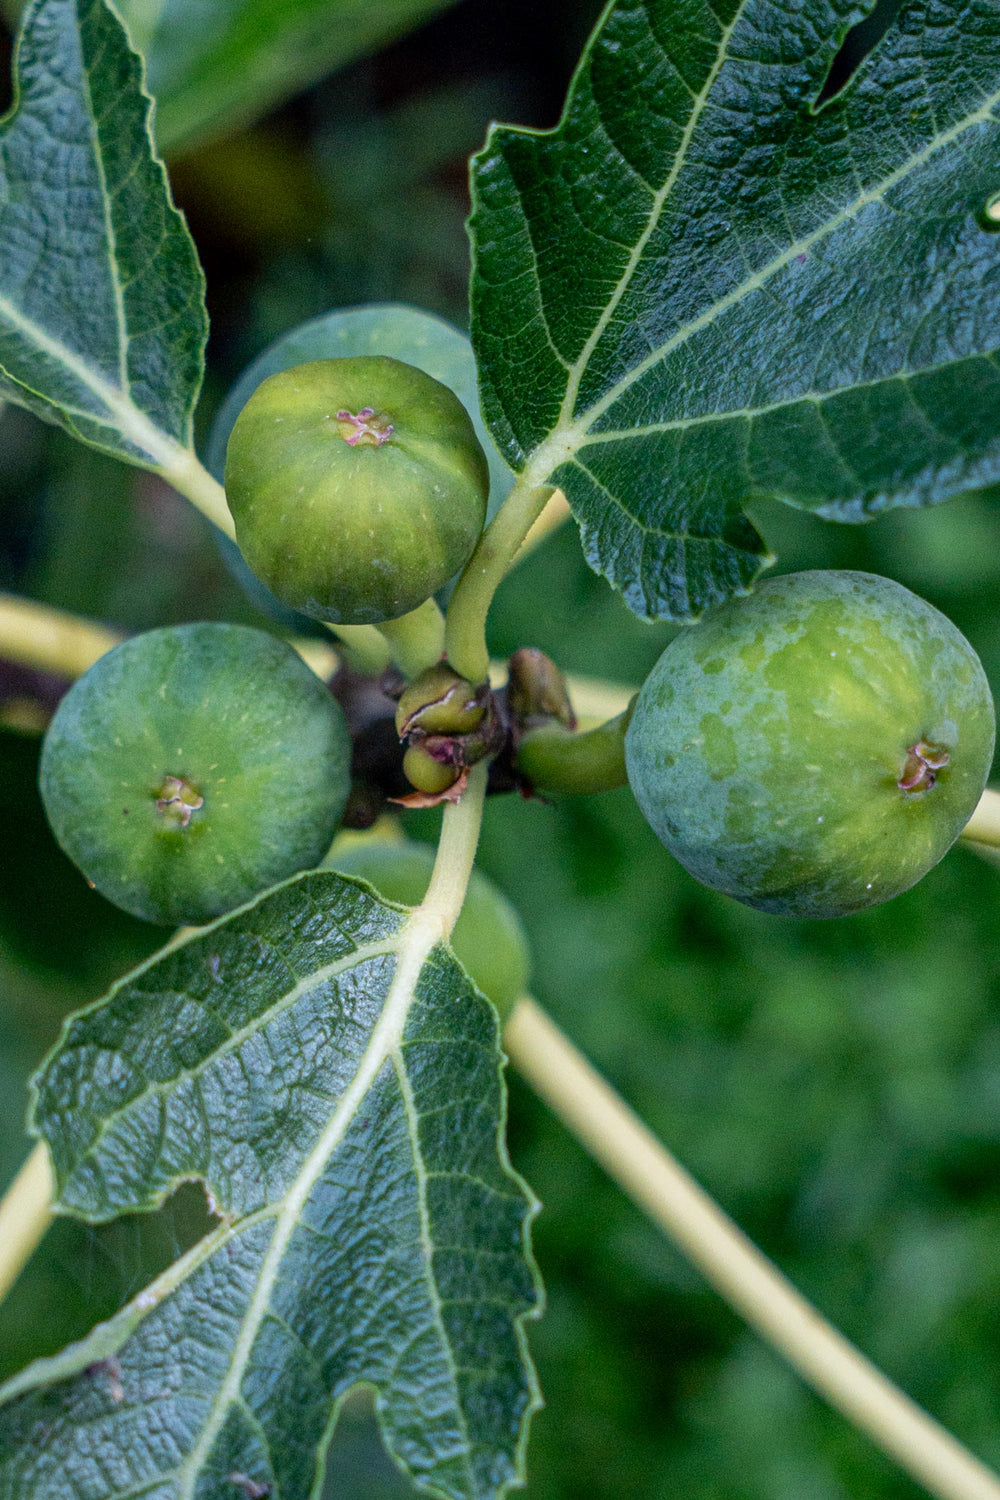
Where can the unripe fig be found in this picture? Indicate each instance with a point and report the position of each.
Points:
(427, 774)
(440, 702)
(816, 748)
(358, 487)
(192, 767)
(488, 938)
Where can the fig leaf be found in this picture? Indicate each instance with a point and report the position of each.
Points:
(709, 283)
(321, 1062)
(102, 315)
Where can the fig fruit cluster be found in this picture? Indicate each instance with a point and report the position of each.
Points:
(193, 767)
(357, 486)
(815, 748)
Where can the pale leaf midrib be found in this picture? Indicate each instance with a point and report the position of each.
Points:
(111, 238)
(414, 945)
(127, 418)
(427, 1245)
(567, 438)
(580, 364)
(751, 413)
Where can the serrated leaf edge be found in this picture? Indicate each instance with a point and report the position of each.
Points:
(413, 943)
(162, 451)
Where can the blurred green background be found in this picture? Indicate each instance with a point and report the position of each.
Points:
(836, 1086)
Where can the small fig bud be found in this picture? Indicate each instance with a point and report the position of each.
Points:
(440, 702)
(536, 691)
(427, 774)
(358, 487)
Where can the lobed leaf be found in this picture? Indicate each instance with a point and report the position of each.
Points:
(704, 287)
(320, 1061)
(102, 317)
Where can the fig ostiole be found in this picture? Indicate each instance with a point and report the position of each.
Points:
(488, 939)
(816, 748)
(358, 487)
(193, 767)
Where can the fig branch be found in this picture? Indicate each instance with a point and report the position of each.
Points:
(45, 639)
(25, 1215)
(734, 1266)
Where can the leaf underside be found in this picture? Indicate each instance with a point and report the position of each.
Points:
(333, 1077)
(102, 317)
(700, 288)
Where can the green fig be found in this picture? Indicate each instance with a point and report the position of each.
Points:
(193, 767)
(815, 748)
(488, 939)
(358, 487)
(426, 774)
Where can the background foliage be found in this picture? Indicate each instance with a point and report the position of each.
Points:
(836, 1085)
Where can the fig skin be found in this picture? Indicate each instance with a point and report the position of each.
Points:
(488, 939)
(193, 767)
(768, 744)
(355, 519)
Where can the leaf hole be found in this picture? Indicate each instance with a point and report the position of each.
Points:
(858, 44)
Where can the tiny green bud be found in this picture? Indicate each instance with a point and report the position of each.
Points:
(536, 691)
(425, 773)
(440, 702)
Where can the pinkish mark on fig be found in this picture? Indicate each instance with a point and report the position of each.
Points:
(178, 799)
(923, 761)
(364, 428)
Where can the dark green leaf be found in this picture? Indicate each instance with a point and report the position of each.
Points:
(321, 1062)
(102, 318)
(701, 288)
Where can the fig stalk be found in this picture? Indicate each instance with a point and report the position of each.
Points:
(415, 640)
(465, 626)
(643, 1168)
(556, 762)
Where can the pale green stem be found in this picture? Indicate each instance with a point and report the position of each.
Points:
(50, 640)
(456, 852)
(188, 476)
(734, 1266)
(465, 630)
(25, 1214)
(416, 640)
(984, 825)
(559, 762)
(365, 645)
